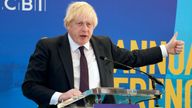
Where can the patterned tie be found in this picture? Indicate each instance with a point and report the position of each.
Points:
(84, 77)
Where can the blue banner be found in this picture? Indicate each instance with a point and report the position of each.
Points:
(131, 24)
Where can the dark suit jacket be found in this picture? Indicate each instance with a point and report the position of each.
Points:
(50, 66)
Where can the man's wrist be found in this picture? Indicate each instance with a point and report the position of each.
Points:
(55, 98)
(164, 50)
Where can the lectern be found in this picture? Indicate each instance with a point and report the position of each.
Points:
(117, 97)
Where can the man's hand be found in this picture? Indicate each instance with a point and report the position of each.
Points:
(69, 94)
(174, 46)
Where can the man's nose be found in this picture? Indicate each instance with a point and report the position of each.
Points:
(84, 27)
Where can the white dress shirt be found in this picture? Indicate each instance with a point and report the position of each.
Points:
(94, 77)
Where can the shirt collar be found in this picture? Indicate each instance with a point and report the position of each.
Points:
(74, 46)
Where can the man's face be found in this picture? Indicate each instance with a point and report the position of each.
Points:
(81, 29)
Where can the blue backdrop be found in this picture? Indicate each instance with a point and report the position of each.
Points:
(24, 22)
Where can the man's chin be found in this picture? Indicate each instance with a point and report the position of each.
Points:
(82, 43)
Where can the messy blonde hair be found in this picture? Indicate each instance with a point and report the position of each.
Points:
(76, 9)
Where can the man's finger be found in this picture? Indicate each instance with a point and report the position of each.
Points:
(177, 51)
(174, 36)
(180, 43)
(179, 46)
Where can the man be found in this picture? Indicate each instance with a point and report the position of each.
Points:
(54, 70)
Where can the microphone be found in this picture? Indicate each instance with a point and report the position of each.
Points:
(153, 79)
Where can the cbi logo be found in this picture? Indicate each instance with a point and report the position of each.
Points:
(24, 5)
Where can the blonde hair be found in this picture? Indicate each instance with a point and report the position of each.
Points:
(76, 9)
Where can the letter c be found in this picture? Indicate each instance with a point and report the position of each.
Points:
(9, 7)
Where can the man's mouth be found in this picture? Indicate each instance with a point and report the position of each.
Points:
(83, 35)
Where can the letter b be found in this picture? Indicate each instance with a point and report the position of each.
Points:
(27, 5)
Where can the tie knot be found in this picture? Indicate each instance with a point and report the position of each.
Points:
(81, 49)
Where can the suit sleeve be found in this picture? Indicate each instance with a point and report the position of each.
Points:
(136, 58)
(34, 86)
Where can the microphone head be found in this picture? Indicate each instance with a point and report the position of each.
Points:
(102, 57)
(105, 59)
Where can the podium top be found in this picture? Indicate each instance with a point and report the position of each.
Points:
(120, 91)
(122, 96)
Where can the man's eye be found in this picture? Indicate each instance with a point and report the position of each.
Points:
(80, 23)
(89, 24)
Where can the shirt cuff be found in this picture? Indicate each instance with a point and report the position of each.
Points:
(55, 98)
(163, 50)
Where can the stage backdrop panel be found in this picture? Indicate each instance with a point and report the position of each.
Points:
(131, 24)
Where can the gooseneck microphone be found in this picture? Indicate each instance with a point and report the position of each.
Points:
(153, 79)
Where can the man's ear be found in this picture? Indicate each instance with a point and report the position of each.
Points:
(68, 26)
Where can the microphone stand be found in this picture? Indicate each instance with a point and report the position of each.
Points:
(157, 97)
(153, 79)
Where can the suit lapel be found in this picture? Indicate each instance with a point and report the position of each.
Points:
(65, 56)
(98, 50)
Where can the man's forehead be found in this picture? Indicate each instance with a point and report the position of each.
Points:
(83, 19)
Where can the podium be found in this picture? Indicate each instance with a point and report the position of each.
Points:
(109, 97)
